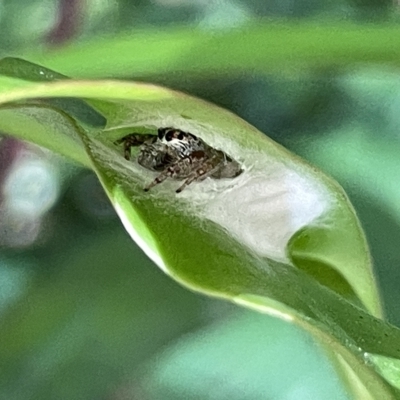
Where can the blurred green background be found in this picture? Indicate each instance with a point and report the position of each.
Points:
(83, 313)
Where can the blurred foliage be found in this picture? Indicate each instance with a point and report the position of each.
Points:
(83, 313)
(231, 363)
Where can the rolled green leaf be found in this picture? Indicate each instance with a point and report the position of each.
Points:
(267, 239)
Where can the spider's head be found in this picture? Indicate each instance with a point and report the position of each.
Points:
(184, 142)
(170, 134)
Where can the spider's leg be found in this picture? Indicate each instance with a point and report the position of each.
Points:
(171, 170)
(180, 168)
(205, 170)
(160, 178)
(133, 140)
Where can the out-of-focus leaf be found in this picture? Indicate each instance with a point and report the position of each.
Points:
(262, 48)
(76, 332)
(243, 357)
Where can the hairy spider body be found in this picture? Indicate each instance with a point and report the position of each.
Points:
(179, 155)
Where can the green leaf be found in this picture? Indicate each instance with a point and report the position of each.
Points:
(25, 70)
(306, 188)
(251, 240)
(388, 367)
(45, 126)
(22, 71)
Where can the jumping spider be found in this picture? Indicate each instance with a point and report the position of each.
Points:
(179, 155)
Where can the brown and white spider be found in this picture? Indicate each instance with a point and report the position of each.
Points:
(179, 155)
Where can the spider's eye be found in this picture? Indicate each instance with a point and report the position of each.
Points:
(161, 132)
(181, 136)
(169, 136)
